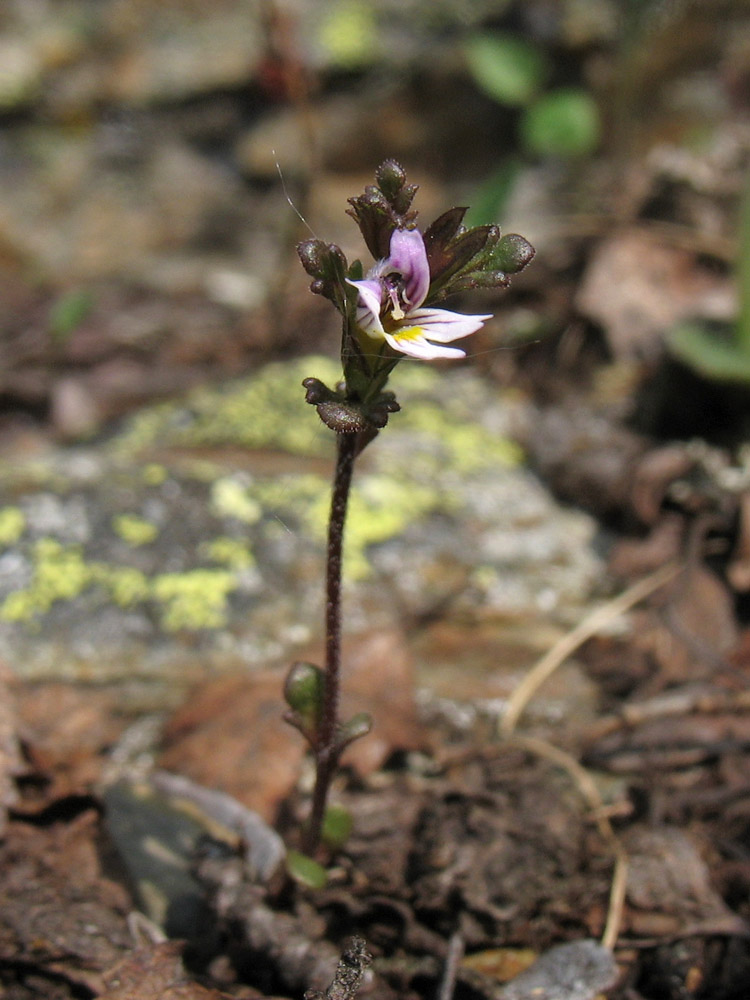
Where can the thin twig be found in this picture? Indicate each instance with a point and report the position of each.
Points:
(450, 968)
(567, 645)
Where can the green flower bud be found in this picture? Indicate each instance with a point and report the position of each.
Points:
(391, 179)
(303, 692)
(511, 254)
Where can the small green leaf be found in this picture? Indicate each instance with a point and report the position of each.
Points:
(306, 871)
(508, 69)
(711, 354)
(563, 123)
(337, 826)
(358, 726)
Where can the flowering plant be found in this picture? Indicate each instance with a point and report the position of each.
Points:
(389, 313)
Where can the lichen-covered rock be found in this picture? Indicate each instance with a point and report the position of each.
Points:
(194, 539)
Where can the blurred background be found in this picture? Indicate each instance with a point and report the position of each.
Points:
(155, 157)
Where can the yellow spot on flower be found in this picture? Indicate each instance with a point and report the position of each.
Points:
(408, 332)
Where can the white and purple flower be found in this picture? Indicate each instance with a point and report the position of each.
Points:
(390, 304)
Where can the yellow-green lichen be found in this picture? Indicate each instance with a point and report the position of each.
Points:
(60, 574)
(125, 585)
(265, 411)
(195, 599)
(469, 446)
(380, 508)
(154, 474)
(12, 525)
(292, 493)
(230, 552)
(134, 530)
(229, 498)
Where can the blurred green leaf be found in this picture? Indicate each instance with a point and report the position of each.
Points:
(337, 826)
(306, 871)
(742, 270)
(719, 351)
(564, 122)
(709, 353)
(490, 198)
(508, 69)
(348, 32)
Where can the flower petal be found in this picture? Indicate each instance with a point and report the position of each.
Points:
(412, 342)
(444, 326)
(368, 307)
(409, 257)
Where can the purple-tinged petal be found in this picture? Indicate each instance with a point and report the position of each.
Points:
(409, 257)
(368, 306)
(444, 326)
(412, 342)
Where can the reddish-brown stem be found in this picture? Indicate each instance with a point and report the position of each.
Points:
(327, 750)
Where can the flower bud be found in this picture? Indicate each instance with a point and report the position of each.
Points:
(303, 692)
(326, 263)
(511, 254)
(304, 686)
(390, 178)
(317, 391)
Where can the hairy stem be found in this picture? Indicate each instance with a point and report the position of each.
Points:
(327, 750)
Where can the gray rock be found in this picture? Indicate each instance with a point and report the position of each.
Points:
(194, 540)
